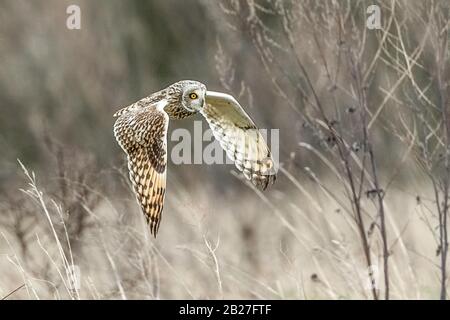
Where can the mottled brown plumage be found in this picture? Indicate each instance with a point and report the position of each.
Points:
(141, 131)
(241, 140)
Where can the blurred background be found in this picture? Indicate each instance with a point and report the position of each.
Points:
(340, 94)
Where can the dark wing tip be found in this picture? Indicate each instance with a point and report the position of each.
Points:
(264, 181)
(153, 223)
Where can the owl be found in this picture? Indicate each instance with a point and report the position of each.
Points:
(141, 131)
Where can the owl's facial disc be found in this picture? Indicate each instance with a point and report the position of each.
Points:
(193, 98)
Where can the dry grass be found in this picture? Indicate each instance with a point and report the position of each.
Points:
(297, 249)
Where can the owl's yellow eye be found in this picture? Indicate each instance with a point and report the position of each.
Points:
(193, 96)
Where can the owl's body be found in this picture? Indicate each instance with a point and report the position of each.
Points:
(171, 94)
(141, 131)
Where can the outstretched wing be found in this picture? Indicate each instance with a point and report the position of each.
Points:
(240, 138)
(142, 134)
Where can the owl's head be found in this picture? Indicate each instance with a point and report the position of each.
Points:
(192, 95)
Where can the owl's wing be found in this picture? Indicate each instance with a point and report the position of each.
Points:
(142, 134)
(240, 138)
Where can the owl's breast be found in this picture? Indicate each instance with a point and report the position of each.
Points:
(176, 111)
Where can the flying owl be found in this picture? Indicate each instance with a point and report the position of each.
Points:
(141, 131)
